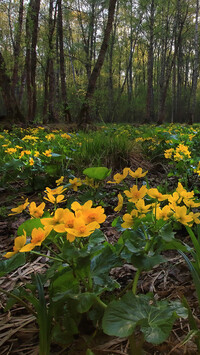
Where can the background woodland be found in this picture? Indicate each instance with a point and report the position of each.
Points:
(133, 61)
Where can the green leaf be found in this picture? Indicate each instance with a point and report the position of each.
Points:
(167, 233)
(84, 301)
(155, 319)
(29, 225)
(11, 264)
(97, 173)
(147, 262)
(104, 262)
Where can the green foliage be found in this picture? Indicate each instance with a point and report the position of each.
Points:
(155, 319)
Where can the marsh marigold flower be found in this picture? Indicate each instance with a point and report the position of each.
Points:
(57, 219)
(19, 209)
(119, 177)
(18, 245)
(137, 173)
(120, 203)
(94, 215)
(75, 183)
(141, 207)
(129, 219)
(60, 181)
(182, 216)
(81, 229)
(35, 211)
(154, 193)
(38, 235)
(134, 194)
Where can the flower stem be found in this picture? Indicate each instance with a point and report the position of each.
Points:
(135, 281)
(46, 256)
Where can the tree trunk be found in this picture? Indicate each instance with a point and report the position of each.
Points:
(196, 67)
(49, 84)
(31, 42)
(66, 112)
(17, 47)
(150, 95)
(84, 115)
(13, 113)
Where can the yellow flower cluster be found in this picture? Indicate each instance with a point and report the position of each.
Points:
(80, 222)
(134, 174)
(180, 153)
(179, 205)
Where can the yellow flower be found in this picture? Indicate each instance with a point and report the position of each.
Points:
(66, 221)
(65, 135)
(28, 137)
(119, 177)
(50, 136)
(60, 181)
(174, 198)
(168, 153)
(31, 161)
(51, 198)
(57, 191)
(195, 217)
(138, 173)
(35, 211)
(134, 194)
(47, 153)
(18, 245)
(94, 215)
(190, 203)
(10, 150)
(75, 206)
(141, 207)
(154, 193)
(36, 154)
(57, 219)
(183, 193)
(81, 229)
(19, 209)
(181, 215)
(75, 183)
(120, 203)
(129, 219)
(38, 235)
(163, 213)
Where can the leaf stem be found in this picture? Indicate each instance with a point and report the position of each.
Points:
(10, 294)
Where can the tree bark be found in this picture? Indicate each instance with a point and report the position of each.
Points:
(31, 42)
(66, 112)
(17, 46)
(150, 94)
(196, 67)
(13, 112)
(49, 84)
(84, 115)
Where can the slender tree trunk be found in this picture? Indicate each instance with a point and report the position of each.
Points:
(49, 84)
(17, 47)
(169, 64)
(150, 95)
(67, 116)
(13, 112)
(84, 115)
(196, 66)
(31, 56)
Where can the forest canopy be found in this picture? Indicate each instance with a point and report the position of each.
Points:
(110, 61)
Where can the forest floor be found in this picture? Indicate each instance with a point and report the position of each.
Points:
(19, 332)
